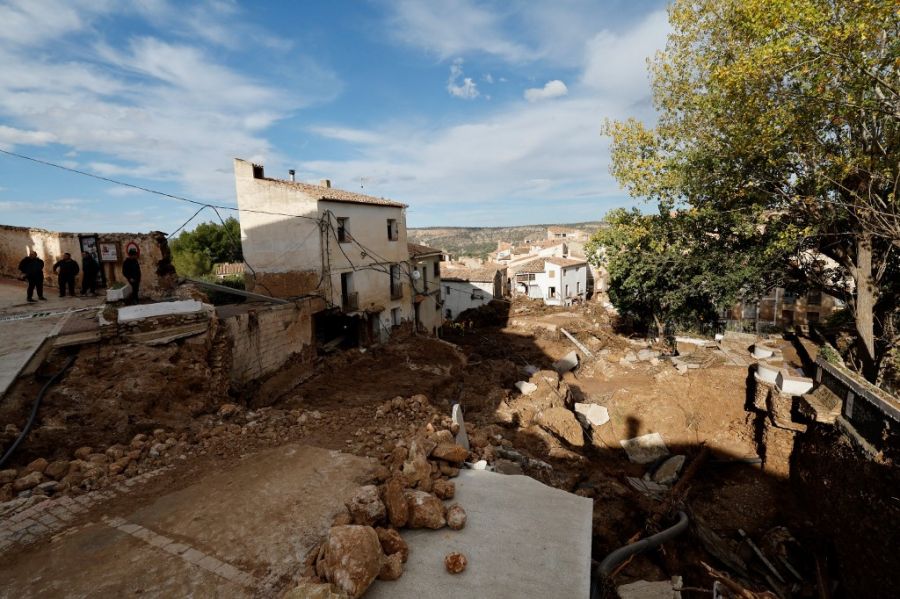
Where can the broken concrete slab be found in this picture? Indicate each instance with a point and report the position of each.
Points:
(506, 514)
(645, 355)
(526, 388)
(793, 385)
(457, 416)
(131, 313)
(669, 470)
(566, 363)
(591, 414)
(642, 589)
(647, 487)
(645, 449)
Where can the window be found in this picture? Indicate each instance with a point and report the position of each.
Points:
(396, 287)
(578, 287)
(349, 298)
(437, 269)
(551, 274)
(449, 314)
(812, 317)
(343, 230)
(424, 279)
(395, 317)
(814, 298)
(447, 290)
(393, 230)
(551, 292)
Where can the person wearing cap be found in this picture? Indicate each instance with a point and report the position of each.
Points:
(131, 270)
(32, 269)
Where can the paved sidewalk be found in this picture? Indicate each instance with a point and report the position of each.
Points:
(237, 532)
(24, 326)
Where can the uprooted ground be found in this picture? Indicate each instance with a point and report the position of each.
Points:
(178, 401)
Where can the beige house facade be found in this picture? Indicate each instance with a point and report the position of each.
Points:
(301, 239)
(426, 282)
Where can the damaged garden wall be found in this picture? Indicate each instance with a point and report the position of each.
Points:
(158, 274)
(263, 341)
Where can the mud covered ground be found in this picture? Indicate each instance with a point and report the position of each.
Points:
(113, 393)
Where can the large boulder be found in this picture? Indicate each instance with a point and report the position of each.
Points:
(351, 558)
(366, 506)
(425, 510)
(562, 423)
(29, 481)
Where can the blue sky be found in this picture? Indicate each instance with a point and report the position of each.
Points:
(473, 113)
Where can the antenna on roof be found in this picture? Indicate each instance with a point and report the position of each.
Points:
(362, 180)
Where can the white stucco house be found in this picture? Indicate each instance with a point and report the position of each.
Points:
(303, 239)
(465, 288)
(556, 281)
(426, 281)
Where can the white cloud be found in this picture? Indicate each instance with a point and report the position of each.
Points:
(616, 63)
(10, 136)
(488, 78)
(163, 110)
(466, 90)
(452, 27)
(551, 89)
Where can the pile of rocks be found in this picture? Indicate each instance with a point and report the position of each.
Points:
(91, 469)
(410, 488)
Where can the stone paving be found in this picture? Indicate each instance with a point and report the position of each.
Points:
(27, 520)
(240, 530)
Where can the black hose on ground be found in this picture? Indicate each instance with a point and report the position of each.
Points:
(618, 556)
(34, 410)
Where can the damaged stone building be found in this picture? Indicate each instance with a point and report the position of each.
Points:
(349, 248)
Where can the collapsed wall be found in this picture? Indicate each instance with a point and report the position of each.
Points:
(158, 274)
(160, 371)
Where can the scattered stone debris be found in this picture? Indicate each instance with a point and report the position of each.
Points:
(456, 517)
(350, 558)
(668, 471)
(591, 414)
(645, 449)
(455, 562)
(526, 388)
(566, 363)
(642, 589)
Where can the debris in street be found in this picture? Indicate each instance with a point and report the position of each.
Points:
(566, 363)
(667, 473)
(456, 517)
(455, 562)
(645, 449)
(526, 388)
(350, 558)
(591, 414)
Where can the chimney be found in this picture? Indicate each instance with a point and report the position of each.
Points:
(325, 182)
(291, 174)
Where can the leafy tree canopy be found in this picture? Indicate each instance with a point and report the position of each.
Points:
(195, 252)
(786, 113)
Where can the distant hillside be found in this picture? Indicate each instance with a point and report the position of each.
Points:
(480, 241)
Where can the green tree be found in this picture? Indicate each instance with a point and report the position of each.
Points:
(195, 252)
(786, 113)
(677, 267)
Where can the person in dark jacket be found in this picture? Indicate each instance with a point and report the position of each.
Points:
(32, 269)
(67, 269)
(89, 270)
(131, 270)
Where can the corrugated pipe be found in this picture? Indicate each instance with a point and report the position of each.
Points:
(618, 556)
(34, 409)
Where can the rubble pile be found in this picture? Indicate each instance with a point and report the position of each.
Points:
(410, 488)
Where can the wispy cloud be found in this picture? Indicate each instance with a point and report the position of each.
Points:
(551, 89)
(466, 89)
(157, 108)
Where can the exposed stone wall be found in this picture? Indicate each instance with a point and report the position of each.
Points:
(158, 274)
(265, 340)
(283, 284)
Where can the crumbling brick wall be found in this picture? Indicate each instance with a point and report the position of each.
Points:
(158, 274)
(265, 340)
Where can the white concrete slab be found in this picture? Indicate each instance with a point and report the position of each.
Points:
(130, 313)
(522, 539)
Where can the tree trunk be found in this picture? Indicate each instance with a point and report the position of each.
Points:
(660, 328)
(865, 307)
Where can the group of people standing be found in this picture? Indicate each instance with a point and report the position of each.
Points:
(66, 269)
